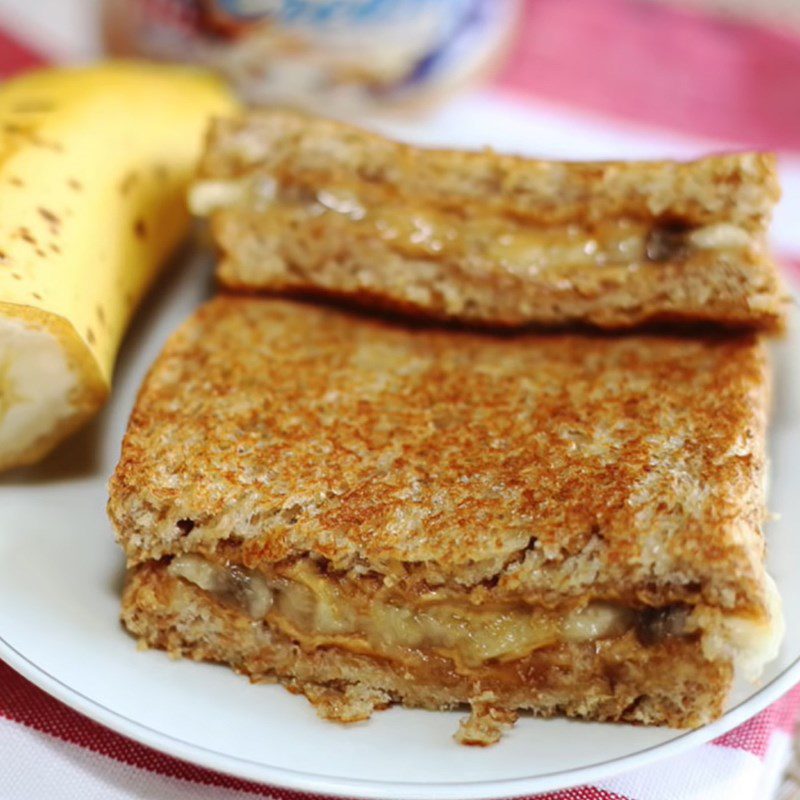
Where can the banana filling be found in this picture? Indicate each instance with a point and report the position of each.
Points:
(514, 245)
(316, 610)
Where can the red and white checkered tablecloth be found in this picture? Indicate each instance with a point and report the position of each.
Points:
(622, 75)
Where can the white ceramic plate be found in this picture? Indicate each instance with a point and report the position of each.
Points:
(60, 577)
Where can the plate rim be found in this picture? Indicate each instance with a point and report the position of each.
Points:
(370, 789)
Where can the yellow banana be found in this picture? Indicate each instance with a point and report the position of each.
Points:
(94, 164)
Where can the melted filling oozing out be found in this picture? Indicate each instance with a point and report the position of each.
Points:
(317, 610)
(515, 246)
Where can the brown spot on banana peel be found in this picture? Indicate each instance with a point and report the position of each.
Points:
(26, 236)
(49, 216)
(126, 184)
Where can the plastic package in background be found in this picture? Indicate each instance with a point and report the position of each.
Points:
(329, 56)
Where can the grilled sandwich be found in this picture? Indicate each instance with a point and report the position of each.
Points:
(303, 205)
(373, 514)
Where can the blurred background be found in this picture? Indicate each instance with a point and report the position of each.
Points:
(564, 78)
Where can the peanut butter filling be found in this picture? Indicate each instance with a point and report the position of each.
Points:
(316, 611)
(517, 246)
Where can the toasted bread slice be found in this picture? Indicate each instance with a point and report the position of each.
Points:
(306, 205)
(480, 512)
(615, 679)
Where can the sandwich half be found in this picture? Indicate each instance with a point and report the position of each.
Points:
(306, 205)
(371, 514)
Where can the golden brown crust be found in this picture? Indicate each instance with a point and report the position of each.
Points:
(739, 188)
(619, 680)
(486, 723)
(491, 239)
(552, 465)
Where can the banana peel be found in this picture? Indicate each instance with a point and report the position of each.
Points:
(94, 166)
